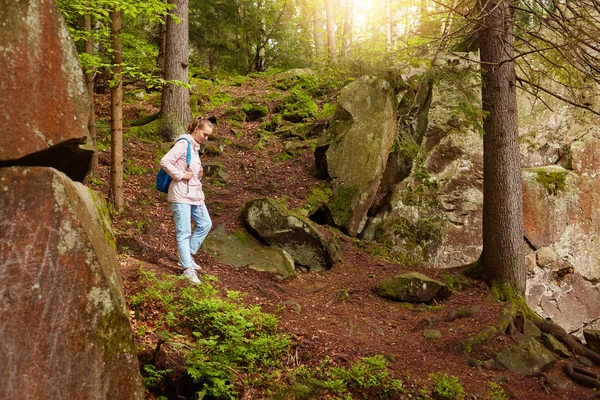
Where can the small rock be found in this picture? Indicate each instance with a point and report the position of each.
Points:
(432, 334)
(592, 338)
(555, 346)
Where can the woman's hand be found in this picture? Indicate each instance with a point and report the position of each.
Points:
(200, 173)
(187, 176)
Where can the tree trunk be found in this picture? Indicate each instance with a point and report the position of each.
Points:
(162, 46)
(503, 255)
(89, 80)
(330, 31)
(116, 108)
(175, 104)
(348, 26)
(388, 26)
(318, 33)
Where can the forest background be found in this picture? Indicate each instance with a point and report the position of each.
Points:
(127, 44)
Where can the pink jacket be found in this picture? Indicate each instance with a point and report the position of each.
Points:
(174, 163)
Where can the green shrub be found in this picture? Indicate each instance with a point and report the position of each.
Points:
(446, 387)
(231, 343)
(254, 111)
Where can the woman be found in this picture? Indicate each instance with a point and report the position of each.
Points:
(186, 195)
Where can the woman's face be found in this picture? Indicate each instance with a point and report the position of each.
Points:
(202, 133)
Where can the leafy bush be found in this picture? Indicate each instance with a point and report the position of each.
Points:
(230, 344)
(446, 387)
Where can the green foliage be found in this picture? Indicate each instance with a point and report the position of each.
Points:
(495, 392)
(232, 343)
(366, 378)
(254, 111)
(138, 51)
(446, 387)
(132, 169)
(152, 377)
(554, 182)
(297, 106)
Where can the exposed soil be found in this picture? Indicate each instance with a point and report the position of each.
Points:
(333, 313)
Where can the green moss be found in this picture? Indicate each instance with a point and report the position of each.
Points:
(340, 204)
(104, 214)
(254, 111)
(317, 197)
(553, 181)
(220, 98)
(515, 300)
(114, 336)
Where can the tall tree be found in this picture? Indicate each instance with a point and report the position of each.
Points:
(331, 43)
(175, 103)
(318, 31)
(348, 28)
(116, 108)
(503, 256)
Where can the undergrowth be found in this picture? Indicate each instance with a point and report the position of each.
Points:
(224, 346)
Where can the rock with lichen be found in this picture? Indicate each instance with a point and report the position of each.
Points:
(279, 227)
(357, 148)
(65, 331)
(412, 287)
(47, 123)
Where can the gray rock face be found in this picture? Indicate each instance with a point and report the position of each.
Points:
(412, 287)
(44, 122)
(65, 331)
(360, 140)
(244, 251)
(276, 226)
(437, 223)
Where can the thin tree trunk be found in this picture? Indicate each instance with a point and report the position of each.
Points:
(348, 26)
(388, 26)
(162, 46)
(89, 80)
(318, 33)
(503, 255)
(331, 45)
(116, 107)
(249, 46)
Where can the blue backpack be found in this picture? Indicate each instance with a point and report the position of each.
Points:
(163, 180)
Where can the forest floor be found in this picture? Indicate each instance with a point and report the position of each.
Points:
(331, 315)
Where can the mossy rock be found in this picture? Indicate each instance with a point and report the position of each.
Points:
(254, 112)
(527, 356)
(243, 251)
(146, 132)
(279, 227)
(412, 287)
(211, 150)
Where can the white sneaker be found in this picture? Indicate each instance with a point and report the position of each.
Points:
(194, 265)
(190, 274)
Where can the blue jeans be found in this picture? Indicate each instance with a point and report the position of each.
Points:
(188, 243)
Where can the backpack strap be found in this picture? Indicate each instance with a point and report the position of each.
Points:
(188, 157)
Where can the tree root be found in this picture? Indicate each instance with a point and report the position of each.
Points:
(569, 340)
(582, 376)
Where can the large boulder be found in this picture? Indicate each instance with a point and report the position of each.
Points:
(433, 217)
(244, 251)
(437, 221)
(65, 331)
(278, 227)
(355, 155)
(44, 101)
